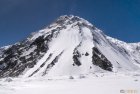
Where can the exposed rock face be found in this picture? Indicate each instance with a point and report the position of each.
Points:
(22, 55)
(70, 45)
(100, 60)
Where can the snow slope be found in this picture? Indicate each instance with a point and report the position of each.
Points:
(131, 49)
(69, 46)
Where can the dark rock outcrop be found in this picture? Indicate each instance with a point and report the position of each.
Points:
(100, 60)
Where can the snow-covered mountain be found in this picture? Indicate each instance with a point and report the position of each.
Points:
(69, 46)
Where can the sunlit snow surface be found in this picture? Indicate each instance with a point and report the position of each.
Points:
(99, 83)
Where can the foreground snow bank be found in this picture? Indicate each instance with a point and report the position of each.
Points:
(91, 84)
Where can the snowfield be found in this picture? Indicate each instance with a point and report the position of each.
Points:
(99, 83)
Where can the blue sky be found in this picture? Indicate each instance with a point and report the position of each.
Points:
(117, 18)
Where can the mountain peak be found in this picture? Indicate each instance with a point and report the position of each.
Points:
(66, 16)
(69, 46)
(70, 19)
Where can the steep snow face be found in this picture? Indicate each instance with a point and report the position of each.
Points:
(69, 46)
